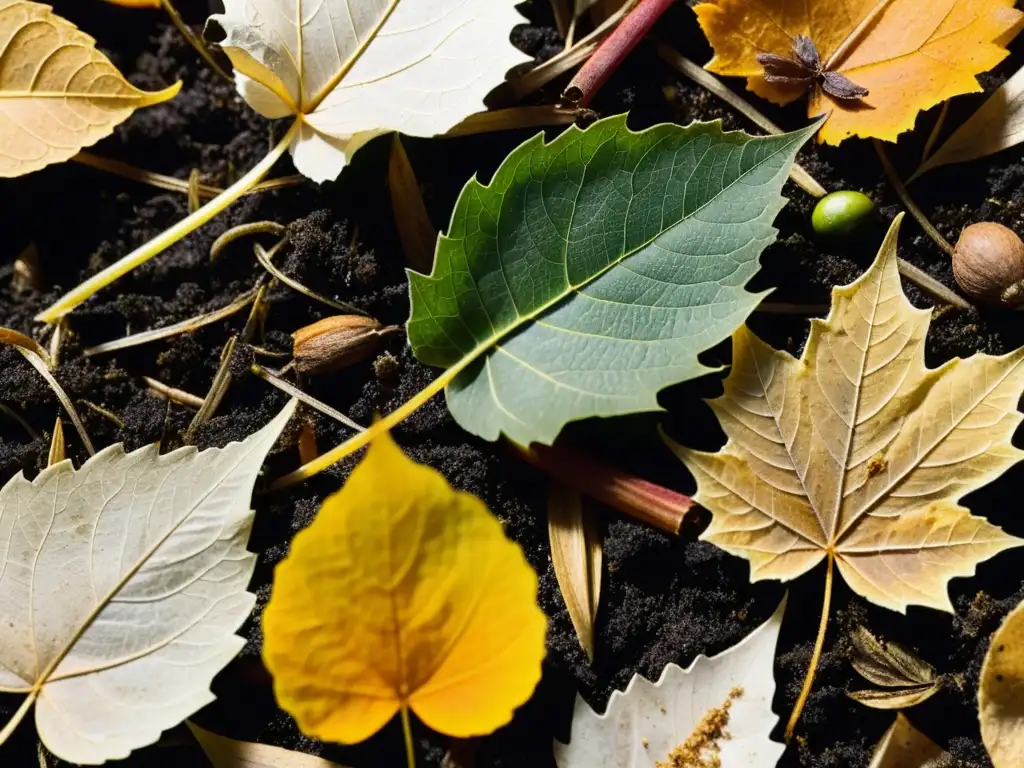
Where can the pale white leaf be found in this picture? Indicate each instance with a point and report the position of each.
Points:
(121, 587)
(1001, 693)
(354, 70)
(903, 746)
(223, 752)
(997, 125)
(642, 725)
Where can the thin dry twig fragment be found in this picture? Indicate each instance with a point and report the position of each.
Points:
(415, 230)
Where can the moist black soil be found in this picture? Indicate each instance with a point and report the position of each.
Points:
(666, 599)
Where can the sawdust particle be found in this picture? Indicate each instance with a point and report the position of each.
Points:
(701, 748)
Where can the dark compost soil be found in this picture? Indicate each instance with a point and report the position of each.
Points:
(665, 599)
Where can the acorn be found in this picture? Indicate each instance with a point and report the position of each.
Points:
(337, 342)
(988, 264)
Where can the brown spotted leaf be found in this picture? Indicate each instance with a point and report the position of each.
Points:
(859, 452)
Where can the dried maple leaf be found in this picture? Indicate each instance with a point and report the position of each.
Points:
(908, 55)
(857, 453)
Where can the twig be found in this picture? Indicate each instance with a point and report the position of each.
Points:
(649, 503)
(558, 64)
(610, 54)
(286, 386)
(109, 415)
(933, 137)
(705, 79)
(174, 395)
(195, 41)
(185, 326)
(7, 410)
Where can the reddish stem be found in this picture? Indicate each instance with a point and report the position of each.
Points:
(649, 503)
(607, 58)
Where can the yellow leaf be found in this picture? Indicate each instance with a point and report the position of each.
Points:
(402, 593)
(860, 453)
(57, 92)
(909, 55)
(1001, 693)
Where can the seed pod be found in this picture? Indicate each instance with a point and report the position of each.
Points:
(336, 342)
(989, 264)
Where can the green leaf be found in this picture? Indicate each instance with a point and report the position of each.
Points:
(591, 271)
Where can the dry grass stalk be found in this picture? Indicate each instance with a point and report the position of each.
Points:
(415, 230)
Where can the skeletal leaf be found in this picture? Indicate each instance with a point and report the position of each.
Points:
(1001, 693)
(591, 271)
(903, 746)
(121, 587)
(906, 678)
(352, 71)
(997, 125)
(402, 594)
(58, 94)
(223, 752)
(577, 555)
(907, 54)
(717, 711)
(860, 453)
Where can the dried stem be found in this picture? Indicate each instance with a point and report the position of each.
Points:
(287, 387)
(558, 64)
(410, 748)
(516, 118)
(908, 201)
(185, 326)
(170, 236)
(645, 501)
(195, 41)
(179, 396)
(705, 79)
(218, 388)
(610, 54)
(933, 137)
(815, 656)
(264, 259)
(57, 446)
(244, 230)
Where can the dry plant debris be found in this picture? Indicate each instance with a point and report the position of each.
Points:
(906, 56)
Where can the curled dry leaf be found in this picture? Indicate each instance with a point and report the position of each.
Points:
(58, 94)
(403, 594)
(908, 55)
(717, 711)
(860, 453)
(577, 556)
(906, 678)
(122, 585)
(557, 295)
(903, 746)
(352, 71)
(997, 125)
(1001, 693)
(223, 752)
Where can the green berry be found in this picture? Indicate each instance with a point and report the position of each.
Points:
(840, 213)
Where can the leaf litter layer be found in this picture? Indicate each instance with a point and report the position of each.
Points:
(662, 601)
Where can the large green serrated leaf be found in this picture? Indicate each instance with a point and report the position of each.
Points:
(591, 271)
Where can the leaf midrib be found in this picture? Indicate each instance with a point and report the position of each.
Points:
(521, 320)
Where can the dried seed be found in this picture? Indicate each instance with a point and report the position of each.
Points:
(807, 52)
(841, 87)
(336, 342)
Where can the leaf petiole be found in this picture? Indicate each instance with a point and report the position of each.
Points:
(410, 751)
(170, 236)
(19, 715)
(798, 708)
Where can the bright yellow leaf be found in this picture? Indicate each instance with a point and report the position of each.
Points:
(402, 593)
(909, 54)
(58, 94)
(858, 452)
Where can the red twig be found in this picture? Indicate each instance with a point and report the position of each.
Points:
(649, 503)
(613, 50)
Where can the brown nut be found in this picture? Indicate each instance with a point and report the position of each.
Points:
(336, 342)
(989, 264)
